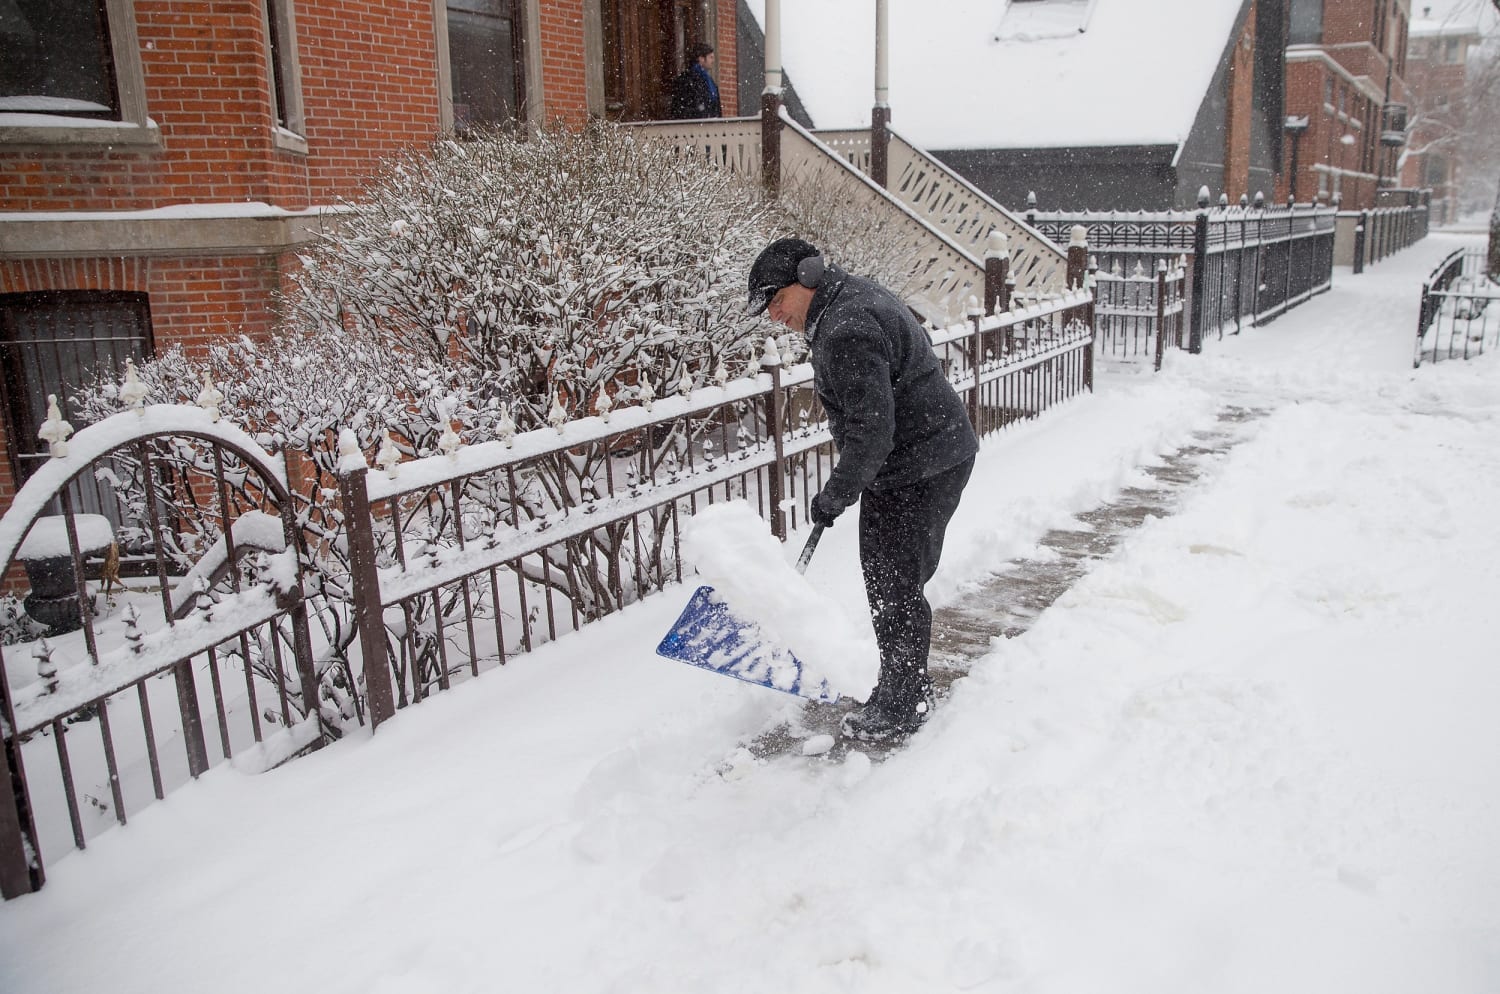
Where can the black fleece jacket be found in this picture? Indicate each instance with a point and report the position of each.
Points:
(895, 417)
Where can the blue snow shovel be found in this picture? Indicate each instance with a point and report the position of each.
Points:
(708, 635)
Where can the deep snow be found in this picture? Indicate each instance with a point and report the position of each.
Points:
(1255, 750)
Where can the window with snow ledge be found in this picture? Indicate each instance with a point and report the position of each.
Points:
(286, 76)
(72, 74)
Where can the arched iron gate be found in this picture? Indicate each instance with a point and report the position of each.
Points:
(210, 514)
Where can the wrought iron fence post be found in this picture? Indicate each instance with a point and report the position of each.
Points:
(20, 870)
(1200, 272)
(1161, 310)
(976, 354)
(354, 496)
(775, 419)
(1078, 256)
(1359, 242)
(1291, 246)
(996, 271)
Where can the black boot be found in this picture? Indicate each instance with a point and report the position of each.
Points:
(892, 713)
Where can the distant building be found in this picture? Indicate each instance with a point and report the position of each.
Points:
(1347, 99)
(1444, 36)
(1103, 104)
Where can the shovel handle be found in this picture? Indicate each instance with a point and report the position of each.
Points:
(809, 548)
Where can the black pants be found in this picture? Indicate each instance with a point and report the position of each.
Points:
(900, 542)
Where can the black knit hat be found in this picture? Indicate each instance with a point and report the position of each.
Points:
(774, 268)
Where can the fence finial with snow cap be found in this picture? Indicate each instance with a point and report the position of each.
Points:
(133, 392)
(388, 457)
(351, 456)
(772, 355)
(999, 246)
(55, 430)
(210, 397)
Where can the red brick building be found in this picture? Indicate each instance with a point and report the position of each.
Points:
(161, 160)
(1346, 99)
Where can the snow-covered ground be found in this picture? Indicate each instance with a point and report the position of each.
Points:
(1255, 750)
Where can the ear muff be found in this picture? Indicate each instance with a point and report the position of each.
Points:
(810, 271)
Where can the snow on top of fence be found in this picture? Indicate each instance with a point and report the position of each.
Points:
(432, 471)
(114, 432)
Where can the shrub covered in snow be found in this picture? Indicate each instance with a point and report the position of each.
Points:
(548, 266)
(508, 276)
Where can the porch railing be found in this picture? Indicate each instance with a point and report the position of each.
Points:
(1460, 312)
(947, 222)
(960, 210)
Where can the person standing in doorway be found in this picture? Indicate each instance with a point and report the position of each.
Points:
(905, 452)
(694, 93)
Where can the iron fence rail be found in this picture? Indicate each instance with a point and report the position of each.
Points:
(1245, 264)
(1459, 316)
(122, 670)
(464, 560)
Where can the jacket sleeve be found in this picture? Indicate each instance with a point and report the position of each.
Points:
(858, 375)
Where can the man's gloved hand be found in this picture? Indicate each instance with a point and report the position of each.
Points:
(823, 511)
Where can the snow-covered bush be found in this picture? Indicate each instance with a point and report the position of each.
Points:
(505, 276)
(551, 265)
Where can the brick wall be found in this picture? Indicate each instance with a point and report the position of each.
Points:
(1240, 113)
(369, 87)
(563, 62)
(726, 60)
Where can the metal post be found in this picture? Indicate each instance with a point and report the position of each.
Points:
(20, 859)
(976, 356)
(775, 420)
(355, 499)
(880, 114)
(1200, 271)
(1359, 242)
(1078, 256)
(996, 271)
(1161, 310)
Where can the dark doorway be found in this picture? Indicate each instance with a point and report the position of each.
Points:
(645, 47)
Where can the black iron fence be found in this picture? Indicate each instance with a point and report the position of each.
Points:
(1366, 237)
(1245, 264)
(1460, 312)
(125, 693)
(462, 561)
(447, 565)
(1140, 314)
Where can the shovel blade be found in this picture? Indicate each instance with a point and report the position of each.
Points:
(709, 636)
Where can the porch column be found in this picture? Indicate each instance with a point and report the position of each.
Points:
(880, 114)
(770, 104)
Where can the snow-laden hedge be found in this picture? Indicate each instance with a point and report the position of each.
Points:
(507, 275)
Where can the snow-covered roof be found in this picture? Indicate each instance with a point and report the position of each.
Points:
(1002, 74)
(1438, 18)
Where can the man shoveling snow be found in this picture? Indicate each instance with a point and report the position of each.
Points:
(905, 448)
